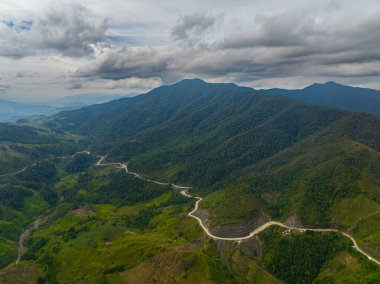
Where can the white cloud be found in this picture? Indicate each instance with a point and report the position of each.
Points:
(121, 45)
(66, 29)
(194, 28)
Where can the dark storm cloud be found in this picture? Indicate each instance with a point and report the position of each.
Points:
(67, 29)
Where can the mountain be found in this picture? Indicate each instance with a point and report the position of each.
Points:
(251, 156)
(211, 135)
(195, 122)
(335, 95)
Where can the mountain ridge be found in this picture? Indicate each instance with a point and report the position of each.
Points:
(217, 138)
(335, 95)
(252, 158)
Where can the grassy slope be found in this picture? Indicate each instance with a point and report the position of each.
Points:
(97, 242)
(23, 145)
(90, 241)
(13, 222)
(26, 196)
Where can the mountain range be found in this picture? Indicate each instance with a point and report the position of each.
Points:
(214, 136)
(329, 94)
(250, 155)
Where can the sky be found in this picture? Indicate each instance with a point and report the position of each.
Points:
(51, 48)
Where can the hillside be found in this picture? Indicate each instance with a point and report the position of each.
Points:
(253, 157)
(213, 135)
(335, 95)
(27, 173)
(207, 130)
(195, 121)
(21, 145)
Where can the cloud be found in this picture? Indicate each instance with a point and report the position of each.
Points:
(285, 28)
(191, 29)
(333, 5)
(60, 45)
(74, 86)
(67, 29)
(4, 87)
(134, 84)
(280, 44)
(126, 62)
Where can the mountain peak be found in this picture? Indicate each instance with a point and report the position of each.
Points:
(331, 83)
(196, 82)
(328, 84)
(191, 81)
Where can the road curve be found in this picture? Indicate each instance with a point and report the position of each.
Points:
(184, 191)
(266, 226)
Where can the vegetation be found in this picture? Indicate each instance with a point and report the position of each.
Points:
(299, 258)
(251, 156)
(335, 95)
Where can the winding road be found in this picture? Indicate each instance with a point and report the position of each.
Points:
(185, 192)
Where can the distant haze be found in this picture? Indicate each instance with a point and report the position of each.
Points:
(11, 111)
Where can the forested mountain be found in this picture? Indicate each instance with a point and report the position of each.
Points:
(224, 138)
(252, 156)
(334, 95)
(209, 130)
